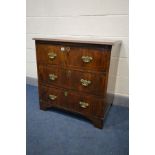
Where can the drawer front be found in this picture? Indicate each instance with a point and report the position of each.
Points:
(49, 95)
(73, 79)
(71, 100)
(50, 75)
(88, 82)
(54, 76)
(89, 58)
(74, 57)
(49, 54)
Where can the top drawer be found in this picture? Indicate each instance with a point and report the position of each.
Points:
(74, 56)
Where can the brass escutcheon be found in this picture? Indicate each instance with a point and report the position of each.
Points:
(63, 49)
(65, 93)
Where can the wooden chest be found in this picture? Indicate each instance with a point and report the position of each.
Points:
(77, 76)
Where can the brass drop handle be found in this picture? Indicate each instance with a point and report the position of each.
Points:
(85, 82)
(86, 59)
(52, 55)
(83, 104)
(52, 97)
(53, 77)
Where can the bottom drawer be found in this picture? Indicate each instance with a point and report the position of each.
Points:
(72, 101)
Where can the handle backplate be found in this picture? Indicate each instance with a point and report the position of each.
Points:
(85, 82)
(86, 59)
(52, 55)
(83, 104)
(52, 97)
(53, 77)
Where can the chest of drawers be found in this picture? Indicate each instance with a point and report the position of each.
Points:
(76, 76)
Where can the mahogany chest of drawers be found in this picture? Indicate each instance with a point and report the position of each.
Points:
(76, 76)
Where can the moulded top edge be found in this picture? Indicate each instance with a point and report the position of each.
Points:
(86, 41)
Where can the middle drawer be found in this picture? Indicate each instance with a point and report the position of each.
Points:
(90, 82)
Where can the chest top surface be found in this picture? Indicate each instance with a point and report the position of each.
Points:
(79, 41)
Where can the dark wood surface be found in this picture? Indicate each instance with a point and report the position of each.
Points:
(71, 100)
(71, 79)
(73, 58)
(70, 73)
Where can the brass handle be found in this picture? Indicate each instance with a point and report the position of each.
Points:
(86, 59)
(83, 104)
(53, 77)
(52, 97)
(52, 55)
(85, 82)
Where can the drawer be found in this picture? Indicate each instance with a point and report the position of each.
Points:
(50, 95)
(53, 75)
(49, 54)
(72, 100)
(74, 57)
(90, 82)
(89, 58)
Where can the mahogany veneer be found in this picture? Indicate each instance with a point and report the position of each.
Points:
(77, 76)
